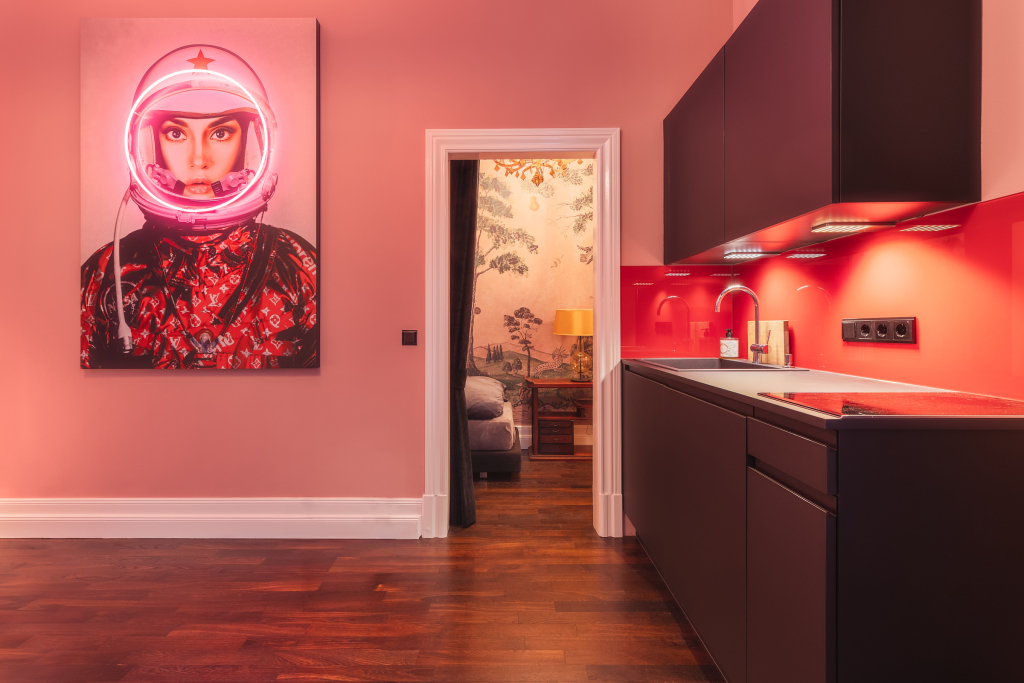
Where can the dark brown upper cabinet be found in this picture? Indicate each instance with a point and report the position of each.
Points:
(833, 111)
(779, 114)
(695, 166)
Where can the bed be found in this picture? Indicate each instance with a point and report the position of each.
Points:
(494, 443)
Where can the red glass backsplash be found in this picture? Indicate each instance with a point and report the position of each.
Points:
(673, 316)
(965, 286)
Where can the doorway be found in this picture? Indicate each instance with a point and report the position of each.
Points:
(602, 145)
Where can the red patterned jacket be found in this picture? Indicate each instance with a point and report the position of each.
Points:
(240, 299)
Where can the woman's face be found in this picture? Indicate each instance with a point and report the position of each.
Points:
(199, 152)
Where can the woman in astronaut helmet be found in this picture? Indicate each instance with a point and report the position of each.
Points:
(204, 283)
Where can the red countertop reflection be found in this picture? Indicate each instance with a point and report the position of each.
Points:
(902, 403)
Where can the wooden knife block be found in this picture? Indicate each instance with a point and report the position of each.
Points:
(779, 341)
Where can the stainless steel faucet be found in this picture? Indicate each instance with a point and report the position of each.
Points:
(757, 347)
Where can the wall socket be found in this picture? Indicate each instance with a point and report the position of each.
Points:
(886, 330)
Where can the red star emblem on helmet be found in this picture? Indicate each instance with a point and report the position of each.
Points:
(200, 62)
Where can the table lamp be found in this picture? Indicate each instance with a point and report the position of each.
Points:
(579, 323)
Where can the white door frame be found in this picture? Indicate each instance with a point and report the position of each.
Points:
(444, 145)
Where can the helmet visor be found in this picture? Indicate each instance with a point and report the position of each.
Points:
(197, 142)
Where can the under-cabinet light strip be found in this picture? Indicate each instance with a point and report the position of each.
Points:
(804, 255)
(928, 228)
(841, 227)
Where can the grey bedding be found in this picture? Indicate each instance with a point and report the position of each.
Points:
(495, 434)
(484, 398)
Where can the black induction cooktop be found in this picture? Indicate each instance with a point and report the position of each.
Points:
(942, 403)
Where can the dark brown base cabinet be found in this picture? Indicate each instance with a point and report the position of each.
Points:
(790, 585)
(684, 485)
(805, 555)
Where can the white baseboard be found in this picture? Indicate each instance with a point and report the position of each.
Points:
(210, 517)
(525, 436)
(609, 510)
(435, 516)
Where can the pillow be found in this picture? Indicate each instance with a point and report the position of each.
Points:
(485, 397)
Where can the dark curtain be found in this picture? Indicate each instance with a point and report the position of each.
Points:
(461, 504)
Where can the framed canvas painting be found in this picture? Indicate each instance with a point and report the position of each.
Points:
(200, 196)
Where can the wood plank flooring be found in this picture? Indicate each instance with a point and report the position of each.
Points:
(530, 593)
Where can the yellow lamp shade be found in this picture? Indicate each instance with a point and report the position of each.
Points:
(578, 322)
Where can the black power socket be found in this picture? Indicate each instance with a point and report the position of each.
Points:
(886, 330)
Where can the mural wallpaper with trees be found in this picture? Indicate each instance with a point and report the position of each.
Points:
(535, 254)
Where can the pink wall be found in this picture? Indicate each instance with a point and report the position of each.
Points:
(389, 70)
(740, 9)
(1002, 98)
(965, 286)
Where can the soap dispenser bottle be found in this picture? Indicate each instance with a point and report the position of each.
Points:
(728, 346)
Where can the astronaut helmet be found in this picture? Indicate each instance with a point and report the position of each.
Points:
(199, 141)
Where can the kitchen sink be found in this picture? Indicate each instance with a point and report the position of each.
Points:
(714, 364)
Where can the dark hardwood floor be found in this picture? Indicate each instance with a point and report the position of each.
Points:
(530, 593)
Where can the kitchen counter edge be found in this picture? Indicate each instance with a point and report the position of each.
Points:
(710, 382)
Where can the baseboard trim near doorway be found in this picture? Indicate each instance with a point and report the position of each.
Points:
(385, 518)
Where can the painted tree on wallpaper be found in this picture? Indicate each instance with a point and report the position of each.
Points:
(492, 235)
(521, 327)
(581, 209)
(542, 235)
(512, 367)
(494, 354)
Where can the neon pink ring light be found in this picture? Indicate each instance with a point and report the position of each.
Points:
(128, 152)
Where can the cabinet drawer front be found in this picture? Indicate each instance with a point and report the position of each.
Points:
(555, 438)
(555, 449)
(555, 430)
(561, 424)
(808, 461)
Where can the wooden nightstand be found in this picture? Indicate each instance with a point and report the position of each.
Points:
(553, 432)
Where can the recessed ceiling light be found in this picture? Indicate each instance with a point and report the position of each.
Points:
(848, 227)
(745, 255)
(640, 284)
(928, 228)
(676, 274)
(721, 274)
(804, 255)
(839, 227)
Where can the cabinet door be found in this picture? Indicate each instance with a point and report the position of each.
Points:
(925, 143)
(790, 586)
(684, 489)
(779, 114)
(695, 166)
